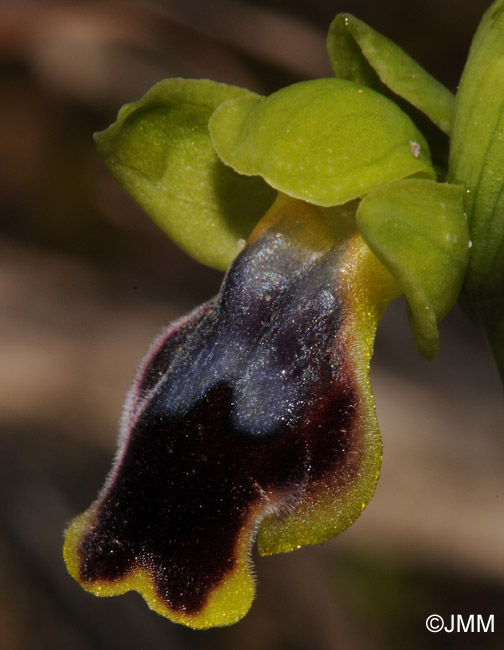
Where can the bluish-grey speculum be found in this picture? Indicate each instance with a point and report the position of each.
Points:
(241, 402)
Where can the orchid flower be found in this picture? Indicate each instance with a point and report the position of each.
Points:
(252, 418)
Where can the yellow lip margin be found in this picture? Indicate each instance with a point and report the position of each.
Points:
(331, 504)
(227, 603)
(328, 505)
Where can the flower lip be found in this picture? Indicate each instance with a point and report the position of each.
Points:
(241, 412)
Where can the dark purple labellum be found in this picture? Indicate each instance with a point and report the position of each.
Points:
(237, 412)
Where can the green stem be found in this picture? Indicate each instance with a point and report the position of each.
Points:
(490, 316)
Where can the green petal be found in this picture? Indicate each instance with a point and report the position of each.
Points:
(359, 53)
(326, 141)
(160, 152)
(418, 230)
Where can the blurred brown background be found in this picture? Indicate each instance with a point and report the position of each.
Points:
(86, 281)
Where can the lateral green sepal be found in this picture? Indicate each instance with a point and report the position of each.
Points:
(418, 230)
(160, 152)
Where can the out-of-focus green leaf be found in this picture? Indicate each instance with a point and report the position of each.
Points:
(418, 230)
(326, 141)
(477, 152)
(160, 152)
(477, 160)
(359, 53)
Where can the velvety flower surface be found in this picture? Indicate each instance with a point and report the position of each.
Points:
(252, 418)
(252, 414)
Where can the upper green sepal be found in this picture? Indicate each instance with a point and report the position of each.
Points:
(325, 141)
(160, 152)
(361, 54)
(418, 230)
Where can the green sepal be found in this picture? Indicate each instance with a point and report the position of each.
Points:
(326, 141)
(160, 152)
(418, 230)
(361, 54)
